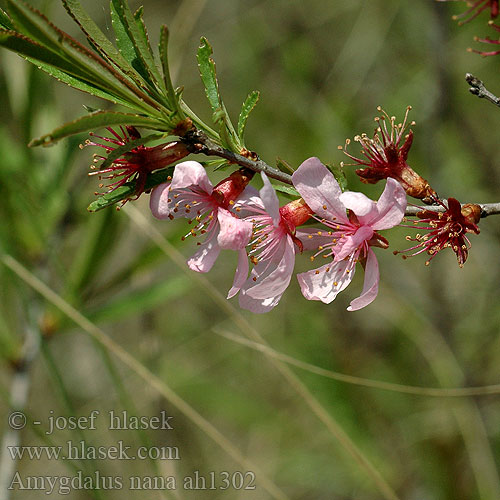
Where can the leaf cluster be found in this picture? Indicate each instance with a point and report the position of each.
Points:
(127, 75)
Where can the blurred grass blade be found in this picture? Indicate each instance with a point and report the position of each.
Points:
(141, 301)
(98, 119)
(145, 374)
(100, 232)
(246, 109)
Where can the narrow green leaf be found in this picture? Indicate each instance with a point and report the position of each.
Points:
(34, 24)
(143, 32)
(284, 166)
(93, 121)
(246, 109)
(125, 45)
(25, 47)
(208, 74)
(127, 190)
(5, 21)
(132, 43)
(57, 66)
(97, 71)
(77, 83)
(121, 150)
(172, 95)
(207, 71)
(96, 36)
(285, 189)
(338, 173)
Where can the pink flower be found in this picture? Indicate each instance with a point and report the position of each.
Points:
(385, 156)
(350, 237)
(136, 164)
(272, 250)
(190, 194)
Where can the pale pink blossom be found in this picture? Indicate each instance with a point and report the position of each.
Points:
(191, 195)
(349, 237)
(272, 249)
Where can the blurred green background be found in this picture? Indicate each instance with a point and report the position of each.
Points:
(322, 68)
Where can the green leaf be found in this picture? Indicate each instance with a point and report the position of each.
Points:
(338, 173)
(128, 146)
(246, 109)
(28, 48)
(172, 96)
(32, 23)
(93, 121)
(209, 78)
(285, 189)
(128, 190)
(83, 62)
(56, 66)
(133, 42)
(77, 83)
(96, 36)
(5, 21)
(283, 165)
(143, 32)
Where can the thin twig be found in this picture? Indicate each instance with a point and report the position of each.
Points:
(198, 142)
(477, 88)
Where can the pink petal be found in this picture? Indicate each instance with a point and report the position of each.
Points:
(234, 233)
(258, 306)
(349, 244)
(326, 282)
(272, 278)
(241, 273)
(312, 238)
(391, 206)
(191, 173)
(360, 204)
(370, 286)
(203, 260)
(270, 200)
(317, 185)
(158, 201)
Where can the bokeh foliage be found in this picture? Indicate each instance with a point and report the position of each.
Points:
(321, 69)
